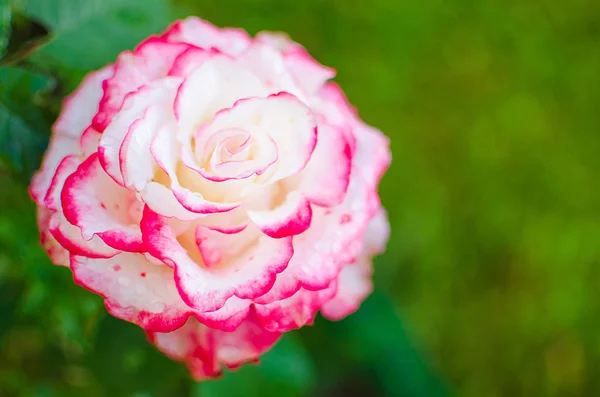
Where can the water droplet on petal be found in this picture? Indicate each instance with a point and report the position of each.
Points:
(157, 307)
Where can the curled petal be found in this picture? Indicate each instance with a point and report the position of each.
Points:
(79, 108)
(292, 217)
(57, 253)
(166, 154)
(294, 312)
(332, 153)
(60, 146)
(69, 236)
(354, 282)
(227, 318)
(372, 155)
(354, 285)
(135, 161)
(191, 59)
(150, 61)
(97, 205)
(335, 110)
(134, 290)
(216, 84)
(334, 239)
(155, 96)
(247, 275)
(200, 33)
(161, 200)
(205, 350)
(308, 74)
(283, 117)
(67, 166)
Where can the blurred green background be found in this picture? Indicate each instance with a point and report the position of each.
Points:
(490, 284)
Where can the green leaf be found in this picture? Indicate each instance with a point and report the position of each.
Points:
(26, 36)
(285, 371)
(5, 17)
(90, 33)
(24, 129)
(376, 337)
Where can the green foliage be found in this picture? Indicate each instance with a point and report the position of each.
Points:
(491, 108)
(23, 125)
(5, 18)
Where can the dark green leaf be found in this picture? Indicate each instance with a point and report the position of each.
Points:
(90, 33)
(26, 36)
(24, 128)
(375, 337)
(5, 17)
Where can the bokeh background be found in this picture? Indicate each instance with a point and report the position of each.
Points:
(491, 282)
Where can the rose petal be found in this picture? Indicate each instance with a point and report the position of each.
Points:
(165, 152)
(248, 275)
(354, 281)
(332, 153)
(281, 116)
(58, 255)
(79, 108)
(294, 312)
(60, 146)
(70, 238)
(334, 239)
(97, 205)
(134, 290)
(290, 218)
(200, 33)
(204, 350)
(156, 95)
(150, 61)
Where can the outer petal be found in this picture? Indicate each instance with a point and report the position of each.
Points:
(354, 282)
(135, 160)
(200, 33)
(97, 205)
(70, 238)
(192, 58)
(67, 166)
(205, 350)
(373, 154)
(134, 290)
(79, 108)
(158, 98)
(58, 255)
(150, 61)
(227, 318)
(309, 74)
(295, 311)
(247, 275)
(333, 109)
(60, 146)
(334, 239)
(267, 62)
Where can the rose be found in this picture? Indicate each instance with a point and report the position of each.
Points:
(216, 190)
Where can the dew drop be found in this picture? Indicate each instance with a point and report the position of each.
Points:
(140, 289)
(157, 307)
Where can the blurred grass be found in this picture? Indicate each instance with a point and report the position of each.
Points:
(492, 109)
